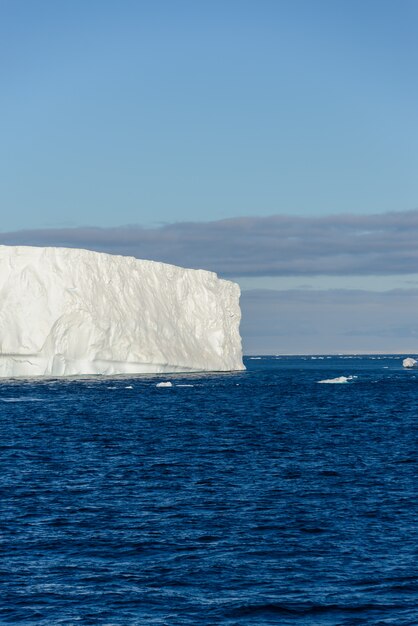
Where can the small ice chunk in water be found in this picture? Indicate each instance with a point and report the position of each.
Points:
(409, 362)
(167, 384)
(339, 379)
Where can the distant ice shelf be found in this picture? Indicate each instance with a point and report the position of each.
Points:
(69, 312)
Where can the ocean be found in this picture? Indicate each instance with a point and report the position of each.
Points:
(258, 497)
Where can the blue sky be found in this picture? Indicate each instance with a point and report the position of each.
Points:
(146, 112)
(223, 113)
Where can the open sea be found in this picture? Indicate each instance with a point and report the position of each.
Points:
(259, 497)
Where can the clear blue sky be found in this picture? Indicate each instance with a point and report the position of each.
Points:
(120, 112)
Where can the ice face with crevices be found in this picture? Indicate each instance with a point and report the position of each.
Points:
(73, 312)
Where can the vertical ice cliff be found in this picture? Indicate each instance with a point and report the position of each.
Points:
(72, 312)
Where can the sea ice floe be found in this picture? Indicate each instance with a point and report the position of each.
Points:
(339, 379)
(167, 384)
(409, 362)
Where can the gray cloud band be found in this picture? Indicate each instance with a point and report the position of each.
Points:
(311, 322)
(257, 246)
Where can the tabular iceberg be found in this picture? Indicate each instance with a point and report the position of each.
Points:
(72, 312)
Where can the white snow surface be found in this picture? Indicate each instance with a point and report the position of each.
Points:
(74, 312)
(409, 362)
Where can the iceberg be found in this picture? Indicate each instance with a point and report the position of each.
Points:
(409, 362)
(70, 312)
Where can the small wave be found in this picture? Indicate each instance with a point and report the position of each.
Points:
(308, 609)
(338, 380)
(21, 399)
(184, 385)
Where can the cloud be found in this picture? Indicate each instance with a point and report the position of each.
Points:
(258, 246)
(304, 320)
(315, 322)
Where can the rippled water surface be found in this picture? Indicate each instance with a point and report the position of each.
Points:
(260, 497)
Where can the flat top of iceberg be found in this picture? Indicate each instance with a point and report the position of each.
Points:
(77, 253)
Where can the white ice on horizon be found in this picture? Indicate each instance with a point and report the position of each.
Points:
(409, 362)
(339, 379)
(76, 312)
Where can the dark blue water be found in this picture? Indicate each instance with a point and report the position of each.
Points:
(258, 498)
